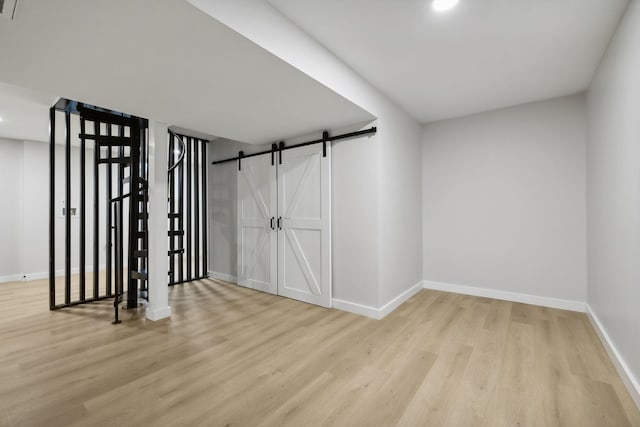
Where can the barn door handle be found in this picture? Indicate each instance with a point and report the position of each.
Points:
(271, 222)
(279, 223)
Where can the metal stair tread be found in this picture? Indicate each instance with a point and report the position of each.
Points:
(127, 179)
(141, 275)
(115, 160)
(144, 253)
(99, 138)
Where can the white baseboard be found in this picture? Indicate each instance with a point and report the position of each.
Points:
(353, 307)
(158, 313)
(562, 304)
(11, 278)
(377, 313)
(629, 380)
(222, 276)
(37, 276)
(27, 277)
(397, 301)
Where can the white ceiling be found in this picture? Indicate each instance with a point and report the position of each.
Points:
(169, 62)
(482, 55)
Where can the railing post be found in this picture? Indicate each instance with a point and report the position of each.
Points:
(188, 193)
(134, 208)
(67, 210)
(172, 208)
(52, 208)
(205, 218)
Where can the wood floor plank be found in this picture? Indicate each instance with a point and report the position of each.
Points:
(230, 356)
(479, 380)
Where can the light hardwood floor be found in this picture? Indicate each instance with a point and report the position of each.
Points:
(234, 357)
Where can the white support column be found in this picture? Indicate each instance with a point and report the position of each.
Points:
(158, 307)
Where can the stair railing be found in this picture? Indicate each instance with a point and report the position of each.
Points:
(119, 288)
(182, 151)
(175, 216)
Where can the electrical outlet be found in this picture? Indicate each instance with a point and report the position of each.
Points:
(72, 211)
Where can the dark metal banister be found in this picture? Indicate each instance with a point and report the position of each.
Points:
(119, 290)
(182, 152)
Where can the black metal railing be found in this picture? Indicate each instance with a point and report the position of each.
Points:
(187, 208)
(117, 145)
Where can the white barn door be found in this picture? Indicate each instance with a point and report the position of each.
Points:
(257, 207)
(304, 226)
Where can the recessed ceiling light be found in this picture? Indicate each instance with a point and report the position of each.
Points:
(1, 119)
(443, 5)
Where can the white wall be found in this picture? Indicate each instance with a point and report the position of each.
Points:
(504, 198)
(35, 208)
(222, 188)
(354, 220)
(24, 185)
(400, 205)
(376, 257)
(11, 212)
(613, 165)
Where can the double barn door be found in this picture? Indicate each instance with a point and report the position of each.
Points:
(284, 227)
